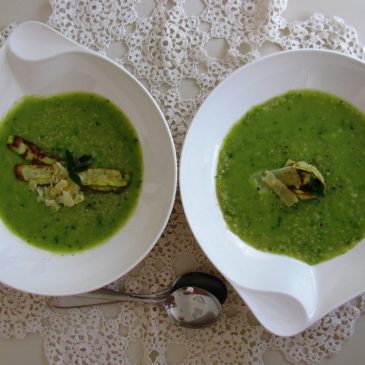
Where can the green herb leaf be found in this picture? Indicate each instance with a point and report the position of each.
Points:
(315, 187)
(74, 167)
(83, 163)
(70, 164)
(85, 159)
(75, 178)
(71, 168)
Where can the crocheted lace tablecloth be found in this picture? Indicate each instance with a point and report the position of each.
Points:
(180, 50)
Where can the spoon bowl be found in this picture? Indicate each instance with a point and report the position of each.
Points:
(192, 307)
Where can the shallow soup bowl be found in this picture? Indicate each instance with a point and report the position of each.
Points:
(285, 294)
(36, 60)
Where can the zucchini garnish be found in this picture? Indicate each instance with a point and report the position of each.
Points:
(39, 174)
(297, 180)
(52, 183)
(280, 189)
(103, 180)
(30, 151)
(75, 166)
(58, 182)
(97, 179)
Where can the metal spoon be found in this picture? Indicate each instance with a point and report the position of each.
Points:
(194, 300)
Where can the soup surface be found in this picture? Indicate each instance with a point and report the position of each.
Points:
(84, 124)
(301, 125)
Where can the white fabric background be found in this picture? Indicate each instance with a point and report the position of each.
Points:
(93, 337)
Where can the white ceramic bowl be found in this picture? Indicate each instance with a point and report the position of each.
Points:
(38, 60)
(285, 294)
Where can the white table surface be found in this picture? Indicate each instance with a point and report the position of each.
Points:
(30, 350)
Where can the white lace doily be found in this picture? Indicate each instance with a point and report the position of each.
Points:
(172, 50)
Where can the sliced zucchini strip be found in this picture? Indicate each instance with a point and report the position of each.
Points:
(103, 180)
(280, 189)
(39, 174)
(30, 151)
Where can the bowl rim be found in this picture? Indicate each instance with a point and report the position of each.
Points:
(240, 288)
(70, 47)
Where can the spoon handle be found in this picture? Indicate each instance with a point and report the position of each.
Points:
(104, 296)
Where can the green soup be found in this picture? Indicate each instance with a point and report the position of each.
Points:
(85, 124)
(301, 125)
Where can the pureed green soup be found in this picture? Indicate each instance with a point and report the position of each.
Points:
(86, 125)
(301, 125)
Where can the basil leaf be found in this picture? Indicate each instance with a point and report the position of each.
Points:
(75, 178)
(70, 164)
(84, 159)
(73, 167)
(315, 187)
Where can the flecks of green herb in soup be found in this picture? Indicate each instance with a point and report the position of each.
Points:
(69, 122)
(315, 230)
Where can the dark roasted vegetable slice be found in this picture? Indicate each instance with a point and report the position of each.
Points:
(104, 180)
(39, 174)
(30, 151)
(104, 189)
